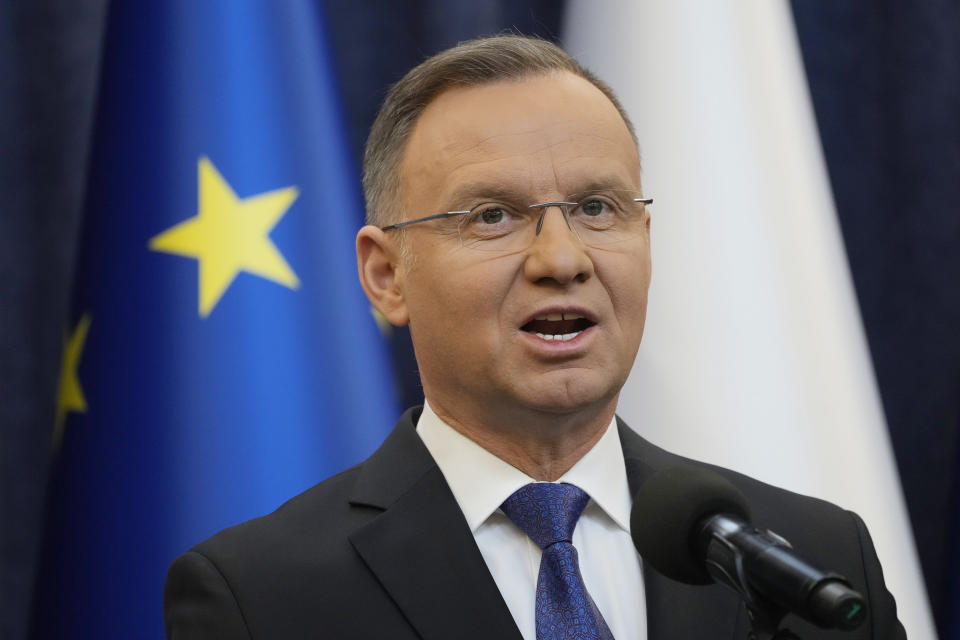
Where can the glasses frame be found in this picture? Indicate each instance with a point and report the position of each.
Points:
(543, 206)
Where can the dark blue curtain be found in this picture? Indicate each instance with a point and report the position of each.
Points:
(885, 81)
(48, 63)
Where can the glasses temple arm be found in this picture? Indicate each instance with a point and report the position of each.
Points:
(436, 216)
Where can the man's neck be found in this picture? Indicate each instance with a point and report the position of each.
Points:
(542, 445)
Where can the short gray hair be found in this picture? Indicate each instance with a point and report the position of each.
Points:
(472, 63)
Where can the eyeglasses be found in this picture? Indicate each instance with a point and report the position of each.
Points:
(598, 218)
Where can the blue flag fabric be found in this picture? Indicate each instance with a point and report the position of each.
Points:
(223, 357)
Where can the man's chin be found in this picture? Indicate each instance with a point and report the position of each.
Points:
(570, 397)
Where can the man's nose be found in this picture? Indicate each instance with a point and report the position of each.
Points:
(557, 253)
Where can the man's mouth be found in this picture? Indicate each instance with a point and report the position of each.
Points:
(560, 326)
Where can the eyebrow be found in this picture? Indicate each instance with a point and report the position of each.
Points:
(471, 192)
(482, 191)
(605, 184)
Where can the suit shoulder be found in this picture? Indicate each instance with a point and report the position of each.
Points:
(781, 509)
(766, 500)
(320, 513)
(806, 518)
(281, 575)
(821, 532)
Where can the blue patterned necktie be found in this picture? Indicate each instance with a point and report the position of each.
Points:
(548, 513)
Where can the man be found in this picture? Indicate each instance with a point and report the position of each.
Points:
(509, 230)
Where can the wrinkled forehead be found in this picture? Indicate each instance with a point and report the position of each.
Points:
(544, 133)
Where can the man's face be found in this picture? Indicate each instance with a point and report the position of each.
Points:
(472, 314)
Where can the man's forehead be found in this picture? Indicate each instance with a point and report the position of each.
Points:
(559, 122)
(520, 112)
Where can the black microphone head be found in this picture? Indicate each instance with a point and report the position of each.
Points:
(668, 511)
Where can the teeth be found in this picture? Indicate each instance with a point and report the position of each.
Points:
(561, 337)
(559, 316)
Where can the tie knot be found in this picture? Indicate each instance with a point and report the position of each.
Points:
(546, 512)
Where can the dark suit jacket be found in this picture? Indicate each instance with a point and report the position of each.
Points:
(382, 550)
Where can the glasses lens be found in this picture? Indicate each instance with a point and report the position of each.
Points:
(495, 227)
(606, 217)
(598, 218)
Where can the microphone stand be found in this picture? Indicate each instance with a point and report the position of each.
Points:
(765, 616)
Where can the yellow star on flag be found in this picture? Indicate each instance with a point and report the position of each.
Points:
(229, 235)
(70, 396)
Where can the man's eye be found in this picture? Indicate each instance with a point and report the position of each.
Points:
(594, 207)
(492, 215)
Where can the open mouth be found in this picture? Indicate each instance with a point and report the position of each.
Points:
(558, 326)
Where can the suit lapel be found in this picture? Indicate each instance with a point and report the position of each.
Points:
(675, 611)
(423, 553)
(420, 547)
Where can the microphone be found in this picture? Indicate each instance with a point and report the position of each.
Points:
(693, 525)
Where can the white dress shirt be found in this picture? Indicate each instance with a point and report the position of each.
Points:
(609, 563)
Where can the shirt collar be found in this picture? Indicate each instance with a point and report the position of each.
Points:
(601, 472)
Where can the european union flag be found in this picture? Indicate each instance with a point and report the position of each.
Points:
(222, 357)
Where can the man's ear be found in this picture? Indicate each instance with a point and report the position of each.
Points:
(380, 266)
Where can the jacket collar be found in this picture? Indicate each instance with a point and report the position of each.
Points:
(423, 553)
(676, 610)
(420, 547)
